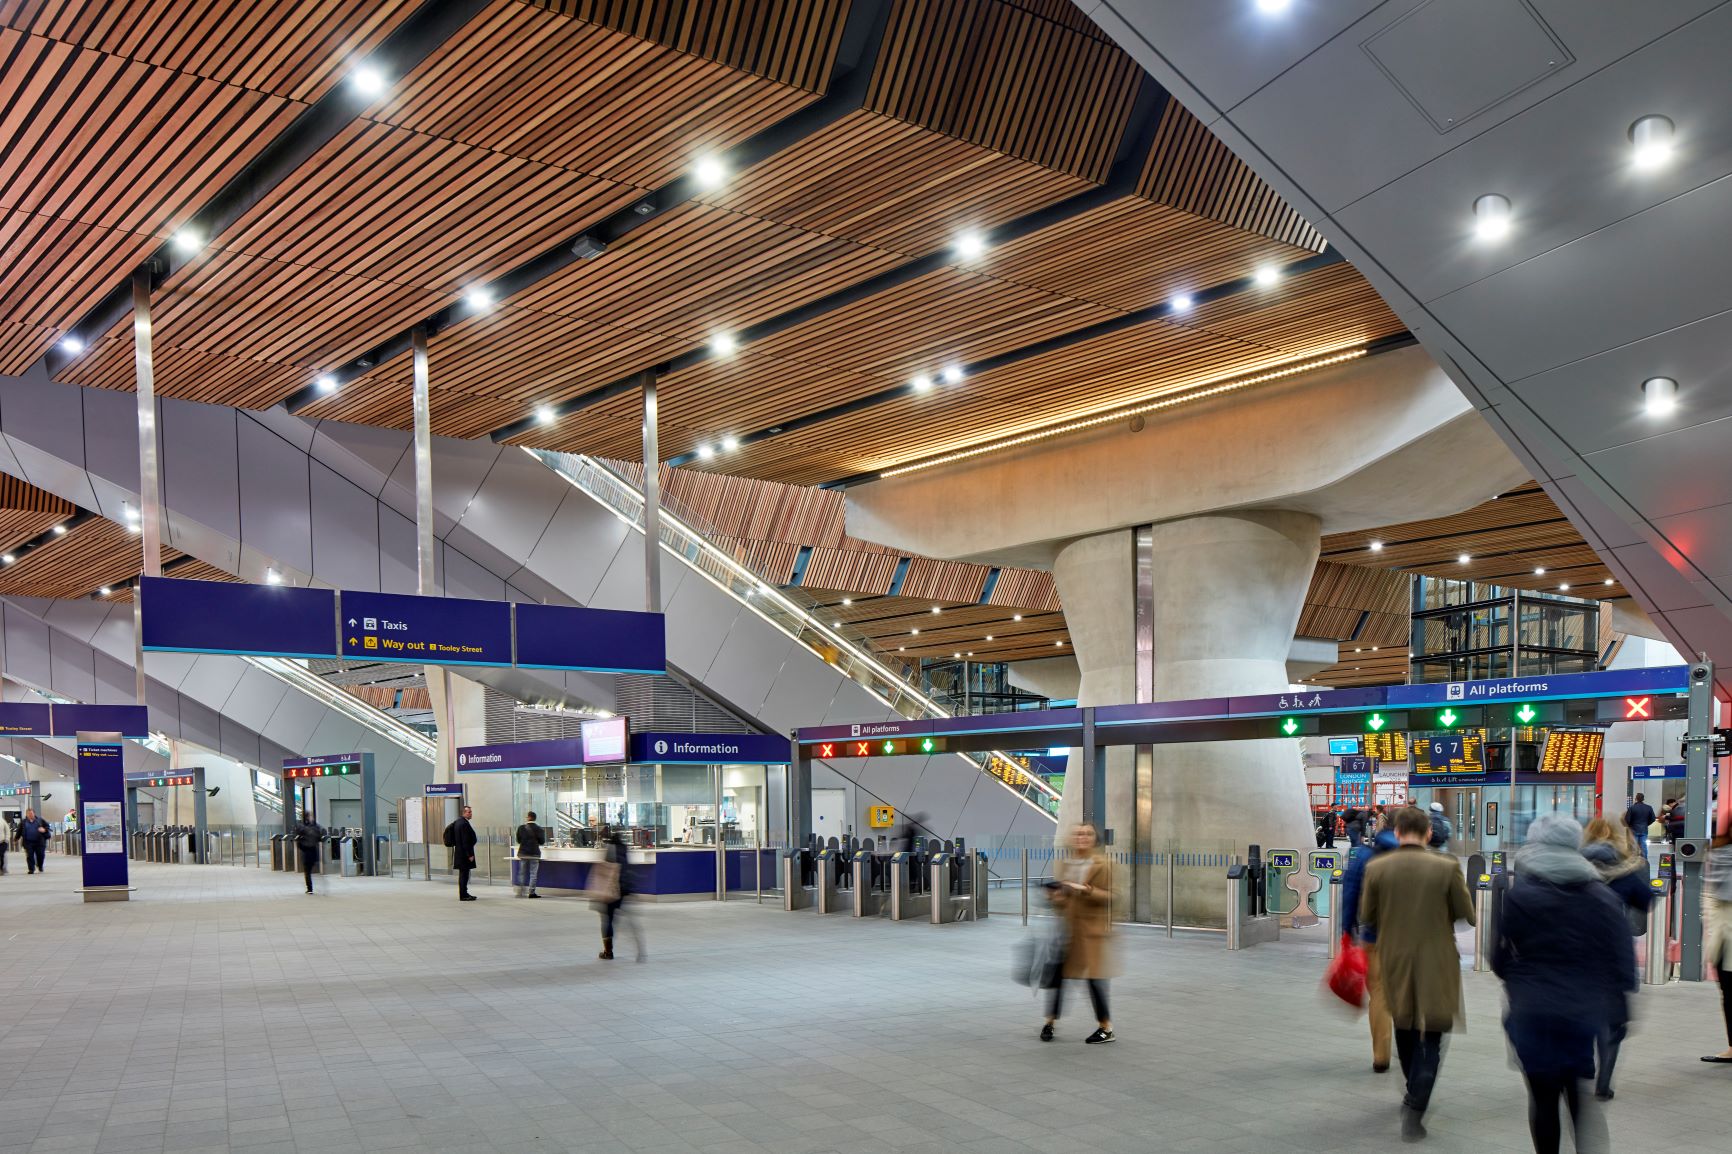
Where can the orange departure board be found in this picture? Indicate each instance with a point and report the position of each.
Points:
(1386, 747)
(1572, 752)
(1472, 759)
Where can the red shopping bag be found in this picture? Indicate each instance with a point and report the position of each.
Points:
(1346, 975)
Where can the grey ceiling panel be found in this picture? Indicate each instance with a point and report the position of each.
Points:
(704, 615)
(1709, 624)
(211, 680)
(853, 702)
(1565, 166)
(255, 698)
(345, 531)
(1663, 587)
(516, 502)
(939, 798)
(115, 682)
(1690, 468)
(365, 454)
(465, 578)
(749, 662)
(622, 586)
(27, 648)
(1644, 274)
(397, 572)
(1615, 529)
(276, 517)
(200, 468)
(801, 700)
(1597, 403)
(74, 667)
(45, 415)
(111, 437)
(579, 546)
(1701, 535)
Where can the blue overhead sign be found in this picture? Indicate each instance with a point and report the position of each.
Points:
(1656, 771)
(602, 640)
(426, 630)
(512, 756)
(24, 719)
(69, 719)
(709, 749)
(1612, 683)
(221, 617)
(443, 789)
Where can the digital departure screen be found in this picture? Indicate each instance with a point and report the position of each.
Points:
(1575, 752)
(1463, 753)
(1386, 747)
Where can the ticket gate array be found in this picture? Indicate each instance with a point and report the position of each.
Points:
(171, 844)
(342, 852)
(937, 881)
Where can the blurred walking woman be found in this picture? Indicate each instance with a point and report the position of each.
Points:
(1563, 952)
(1717, 930)
(1079, 893)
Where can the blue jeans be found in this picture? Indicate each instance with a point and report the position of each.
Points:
(1641, 837)
(530, 868)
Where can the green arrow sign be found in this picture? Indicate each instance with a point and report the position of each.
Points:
(1375, 722)
(1526, 713)
(1447, 717)
(1290, 726)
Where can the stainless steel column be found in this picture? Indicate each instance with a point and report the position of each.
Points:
(1654, 968)
(721, 842)
(426, 577)
(149, 487)
(1698, 763)
(652, 504)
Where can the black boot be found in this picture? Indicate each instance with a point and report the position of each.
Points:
(606, 950)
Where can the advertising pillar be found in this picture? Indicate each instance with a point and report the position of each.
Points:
(101, 820)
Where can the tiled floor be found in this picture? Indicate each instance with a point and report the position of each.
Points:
(224, 1009)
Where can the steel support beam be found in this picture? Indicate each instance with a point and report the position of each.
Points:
(652, 501)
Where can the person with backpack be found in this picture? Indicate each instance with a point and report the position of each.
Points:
(1612, 852)
(1440, 827)
(309, 838)
(530, 839)
(460, 837)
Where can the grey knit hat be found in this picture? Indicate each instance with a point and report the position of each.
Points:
(1556, 829)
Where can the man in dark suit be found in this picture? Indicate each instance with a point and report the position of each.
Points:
(463, 842)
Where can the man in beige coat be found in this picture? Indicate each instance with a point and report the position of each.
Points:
(1413, 898)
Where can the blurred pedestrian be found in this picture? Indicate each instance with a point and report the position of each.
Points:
(1637, 819)
(530, 838)
(1355, 825)
(1352, 889)
(1717, 930)
(1079, 893)
(1612, 852)
(1563, 952)
(309, 838)
(610, 885)
(1412, 900)
(1440, 828)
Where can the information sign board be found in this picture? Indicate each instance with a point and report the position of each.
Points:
(436, 630)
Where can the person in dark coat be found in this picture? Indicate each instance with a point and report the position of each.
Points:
(1613, 854)
(33, 833)
(1638, 818)
(1563, 952)
(462, 839)
(610, 885)
(1355, 828)
(309, 838)
(1352, 885)
(1440, 829)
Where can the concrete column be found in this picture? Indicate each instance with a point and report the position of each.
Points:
(1227, 590)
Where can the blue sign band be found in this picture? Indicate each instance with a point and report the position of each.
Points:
(223, 617)
(596, 640)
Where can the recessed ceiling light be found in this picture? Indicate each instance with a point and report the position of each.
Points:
(72, 343)
(104, 591)
(902, 649)
(479, 298)
(1564, 588)
(936, 609)
(723, 344)
(1273, 6)
(1659, 396)
(920, 383)
(1491, 216)
(1016, 617)
(7, 558)
(1540, 572)
(187, 241)
(545, 415)
(710, 172)
(1607, 581)
(969, 245)
(1374, 649)
(1059, 644)
(847, 600)
(1356, 651)
(989, 637)
(730, 443)
(325, 383)
(706, 451)
(1652, 138)
(1463, 559)
(953, 374)
(970, 653)
(956, 655)
(1181, 302)
(1267, 275)
(1377, 546)
(914, 633)
(368, 80)
(60, 530)
(835, 625)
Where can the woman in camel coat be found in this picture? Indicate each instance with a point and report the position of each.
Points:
(1081, 892)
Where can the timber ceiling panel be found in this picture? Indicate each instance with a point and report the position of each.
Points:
(1387, 666)
(626, 109)
(27, 512)
(888, 624)
(1327, 308)
(183, 569)
(1505, 539)
(288, 48)
(94, 553)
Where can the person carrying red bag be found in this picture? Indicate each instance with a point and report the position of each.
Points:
(1382, 1028)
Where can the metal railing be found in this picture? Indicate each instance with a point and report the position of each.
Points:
(782, 610)
(1025, 864)
(295, 673)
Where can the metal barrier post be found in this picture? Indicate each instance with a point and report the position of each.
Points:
(1482, 942)
(1335, 918)
(1235, 910)
(758, 865)
(1171, 866)
(1025, 886)
(1656, 970)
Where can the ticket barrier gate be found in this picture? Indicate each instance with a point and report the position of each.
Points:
(868, 897)
(829, 863)
(280, 852)
(1324, 865)
(795, 869)
(1249, 919)
(1281, 899)
(959, 886)
(905, 904)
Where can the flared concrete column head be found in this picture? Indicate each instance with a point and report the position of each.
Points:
(1096, 586)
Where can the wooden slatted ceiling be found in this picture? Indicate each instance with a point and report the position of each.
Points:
(184, 569)
(791, 41)
(288, 48)
(1007, 79)
(100, 158)
(94, 553)
(1190, 169)
(1506, 539)
(1385, 667)
(887, 624)
(27, 512)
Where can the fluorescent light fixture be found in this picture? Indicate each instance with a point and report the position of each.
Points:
(325, 383)
(1491, 216)
(1377, 546)
(368, 80)
(723, 344)
(1463, 559)
(72, 343)
(953, 374)
(545, 415)
(969, 245)
(710, 172)
(1181, 302)
(479, 298)
(187, 241)
(706, 451)
(1267, 275)
(1652, 138)
(1659, 396)
(920, 383)
(730, 443)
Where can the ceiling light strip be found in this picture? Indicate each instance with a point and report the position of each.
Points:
(1120, 414)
